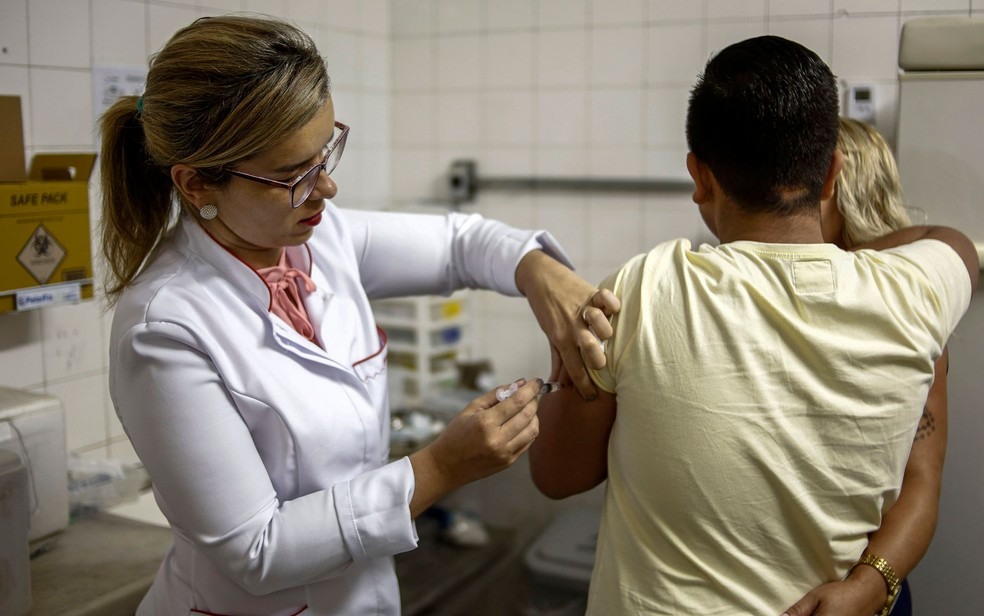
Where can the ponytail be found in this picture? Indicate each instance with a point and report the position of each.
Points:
(137, 198)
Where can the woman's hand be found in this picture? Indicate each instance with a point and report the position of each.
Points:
(862, 593)
(486, 437)
(572, 313)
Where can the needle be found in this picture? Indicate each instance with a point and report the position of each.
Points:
(503, 393)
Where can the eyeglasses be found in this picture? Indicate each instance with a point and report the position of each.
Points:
(302, 187)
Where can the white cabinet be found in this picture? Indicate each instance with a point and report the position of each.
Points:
(941, 161)
(426, 337)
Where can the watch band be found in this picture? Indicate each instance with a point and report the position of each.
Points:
(891, 579)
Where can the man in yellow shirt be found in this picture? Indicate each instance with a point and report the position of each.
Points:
(760, 397)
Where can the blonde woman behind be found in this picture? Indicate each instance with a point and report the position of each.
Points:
(867, 201)
(867, 204)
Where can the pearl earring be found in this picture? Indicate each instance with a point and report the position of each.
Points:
(208, 211)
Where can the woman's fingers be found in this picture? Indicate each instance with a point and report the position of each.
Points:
(595, 327)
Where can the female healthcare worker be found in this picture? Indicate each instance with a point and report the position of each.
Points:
(245, 364)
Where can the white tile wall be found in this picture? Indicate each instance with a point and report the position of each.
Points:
(414, 120)
(858, 7)
(47, 51)
(675, 53)
(507, 60)
(610, 241)
(618, 55)
(607, 12)
(414, 64)
(616, 118)
(813, 33)
(340, 14)
(510, 118)
(616, 161)
(21, 352)
(13, 32)
(455, 16)
(71, 339)
(416, 172)
(310, 11)
(376, 60)
(672, 10)
(562, 13)
(459, 118)
(730, 9)
(666, 115)
(866, 48)
(459, 59)
(720, 34)
(58, 33)
(374, 121)
(562, 58)
(510, 14)
(562, 117)
(163, 20)
(343, 55)
(799, 8)
(414, 16)
(670, 162)
(112, 44)
(666, 217)
(57, 119)
(508, 161)
(375, 16)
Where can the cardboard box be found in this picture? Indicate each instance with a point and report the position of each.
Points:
(12, 168)
(45, 246)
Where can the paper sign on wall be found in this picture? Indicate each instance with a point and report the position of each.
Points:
(111, 82)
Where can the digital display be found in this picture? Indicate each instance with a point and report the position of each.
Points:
(862, 95)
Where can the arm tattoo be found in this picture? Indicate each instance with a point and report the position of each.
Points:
(927, 426)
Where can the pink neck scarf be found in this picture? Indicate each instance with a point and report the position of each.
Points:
(283, 281)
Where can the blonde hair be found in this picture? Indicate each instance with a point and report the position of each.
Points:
(869, 191)
(221, 91)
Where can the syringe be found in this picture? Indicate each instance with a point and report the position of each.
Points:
(548, 387)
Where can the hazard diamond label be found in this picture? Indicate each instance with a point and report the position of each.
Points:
(41, 255)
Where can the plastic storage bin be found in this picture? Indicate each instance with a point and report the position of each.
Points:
(560, 561)
(33, 427)
(15, 566)
(425, 336)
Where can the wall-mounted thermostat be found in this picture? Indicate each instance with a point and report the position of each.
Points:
(861, 102)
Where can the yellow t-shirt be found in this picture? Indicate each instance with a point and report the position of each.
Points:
(768, 395)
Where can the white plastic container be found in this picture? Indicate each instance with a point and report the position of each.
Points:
(560, 561)
(33, 427)
(15, 563)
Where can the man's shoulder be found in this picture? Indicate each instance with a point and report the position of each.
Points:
(669, 250)
(928, 256)
(927, 268)
(660, 255)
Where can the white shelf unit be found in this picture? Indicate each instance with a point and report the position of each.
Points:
(426, 337)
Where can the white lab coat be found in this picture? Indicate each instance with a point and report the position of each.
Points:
(268, 454)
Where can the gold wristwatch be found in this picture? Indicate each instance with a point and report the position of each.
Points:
(891, 580)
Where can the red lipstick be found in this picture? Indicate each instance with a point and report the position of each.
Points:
(313, 221)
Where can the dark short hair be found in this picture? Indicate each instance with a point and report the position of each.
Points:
(763, 117)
